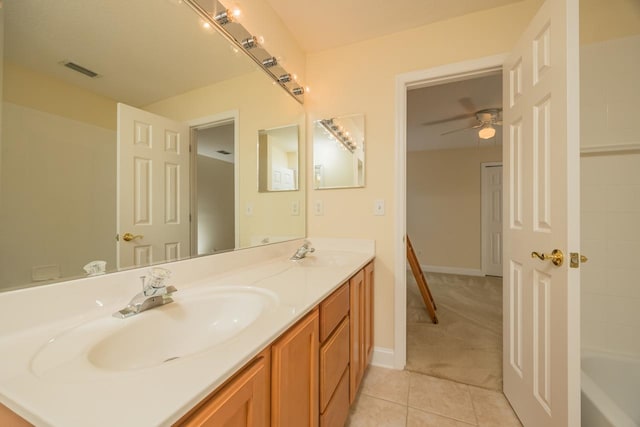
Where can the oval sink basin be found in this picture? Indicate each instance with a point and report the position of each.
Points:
(194, 322)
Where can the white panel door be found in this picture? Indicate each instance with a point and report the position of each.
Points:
(153, 188)
(541, 362)
(492, 219)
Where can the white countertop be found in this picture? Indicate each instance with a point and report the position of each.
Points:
(80, 394)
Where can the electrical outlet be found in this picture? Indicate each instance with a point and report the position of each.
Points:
(249, 209)
(378, 207)
(318, 208)
(295, 208)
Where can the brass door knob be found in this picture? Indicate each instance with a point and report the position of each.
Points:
(556, 257)
(127, 237)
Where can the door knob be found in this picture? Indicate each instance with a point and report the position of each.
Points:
(127, 237)
(556, 257)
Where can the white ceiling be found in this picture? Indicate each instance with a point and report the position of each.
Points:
(434, 110)
(319, 25)
(138, 47)
(217, 138)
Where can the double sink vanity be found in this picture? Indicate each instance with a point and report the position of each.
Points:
(251, 338)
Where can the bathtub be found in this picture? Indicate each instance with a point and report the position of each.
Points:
(610, 390)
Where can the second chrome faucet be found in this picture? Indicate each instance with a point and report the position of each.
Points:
(302, 251)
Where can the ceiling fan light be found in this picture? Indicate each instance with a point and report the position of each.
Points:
(487, 132)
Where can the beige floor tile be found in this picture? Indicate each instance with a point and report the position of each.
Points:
(368, 411)
(387, 384)
(492, 408)
(442, 397)
(416, 418)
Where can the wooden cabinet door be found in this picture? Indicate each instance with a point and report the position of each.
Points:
(368, 313)
(294, 375)
(356, 360)
(242, 402)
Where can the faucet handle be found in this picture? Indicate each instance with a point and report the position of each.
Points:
(158, 277)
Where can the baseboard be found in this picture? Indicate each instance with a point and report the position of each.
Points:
(452, 270)
(383, 357)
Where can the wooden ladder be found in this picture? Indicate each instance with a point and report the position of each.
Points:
(429, 302)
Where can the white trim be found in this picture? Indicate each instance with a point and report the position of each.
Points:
(430, 77)
(383, 357)
(217, 119)
(614, 148)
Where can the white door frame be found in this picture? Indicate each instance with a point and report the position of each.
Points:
(209, 121)
(430, 77)
(484, 213)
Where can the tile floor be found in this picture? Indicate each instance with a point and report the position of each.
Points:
(390, 398)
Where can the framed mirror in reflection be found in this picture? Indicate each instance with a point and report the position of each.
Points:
(100, 108)
(278, 159)
(339, 152)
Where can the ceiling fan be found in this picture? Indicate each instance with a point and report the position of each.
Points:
(486, 120)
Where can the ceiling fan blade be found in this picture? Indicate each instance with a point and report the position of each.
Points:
(468, 104)
(499, 123)
(479, 125)
(448, 119)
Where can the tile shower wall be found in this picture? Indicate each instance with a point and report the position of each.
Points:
(610, 191)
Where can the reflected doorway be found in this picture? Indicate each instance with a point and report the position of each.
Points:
(213, 176)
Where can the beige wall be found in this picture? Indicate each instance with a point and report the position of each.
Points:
(271, 211)
(23, 86)
(57, 179)
(58, 185)
(443, 205)
(360, 78)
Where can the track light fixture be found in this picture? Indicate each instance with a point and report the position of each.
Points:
(338, 133)
(269, 62)
(223, 18)
(285, 78)
(242, 39)
(249, 43)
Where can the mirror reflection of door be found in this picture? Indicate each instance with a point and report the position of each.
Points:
(214, 207)
(153, 154)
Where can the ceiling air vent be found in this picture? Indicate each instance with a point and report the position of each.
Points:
(80, 69)
(225, 152)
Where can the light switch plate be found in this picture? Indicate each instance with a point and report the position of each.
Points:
(249, 209)
(295, 208)
(378, 207)
(318, 208)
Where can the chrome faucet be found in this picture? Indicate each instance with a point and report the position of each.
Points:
(303, 251)
(154, 293)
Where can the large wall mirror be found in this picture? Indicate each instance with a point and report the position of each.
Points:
(101, 103)
(338, 152)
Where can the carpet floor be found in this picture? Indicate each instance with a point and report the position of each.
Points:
(466, 344)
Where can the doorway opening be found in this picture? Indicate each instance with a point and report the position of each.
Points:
(404, 84)
(214, 184)
(453, 211)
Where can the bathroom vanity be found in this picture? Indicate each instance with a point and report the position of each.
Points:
(304, 341)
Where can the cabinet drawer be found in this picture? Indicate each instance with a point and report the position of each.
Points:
(338, 409)
(332, 310)
(334, 358)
